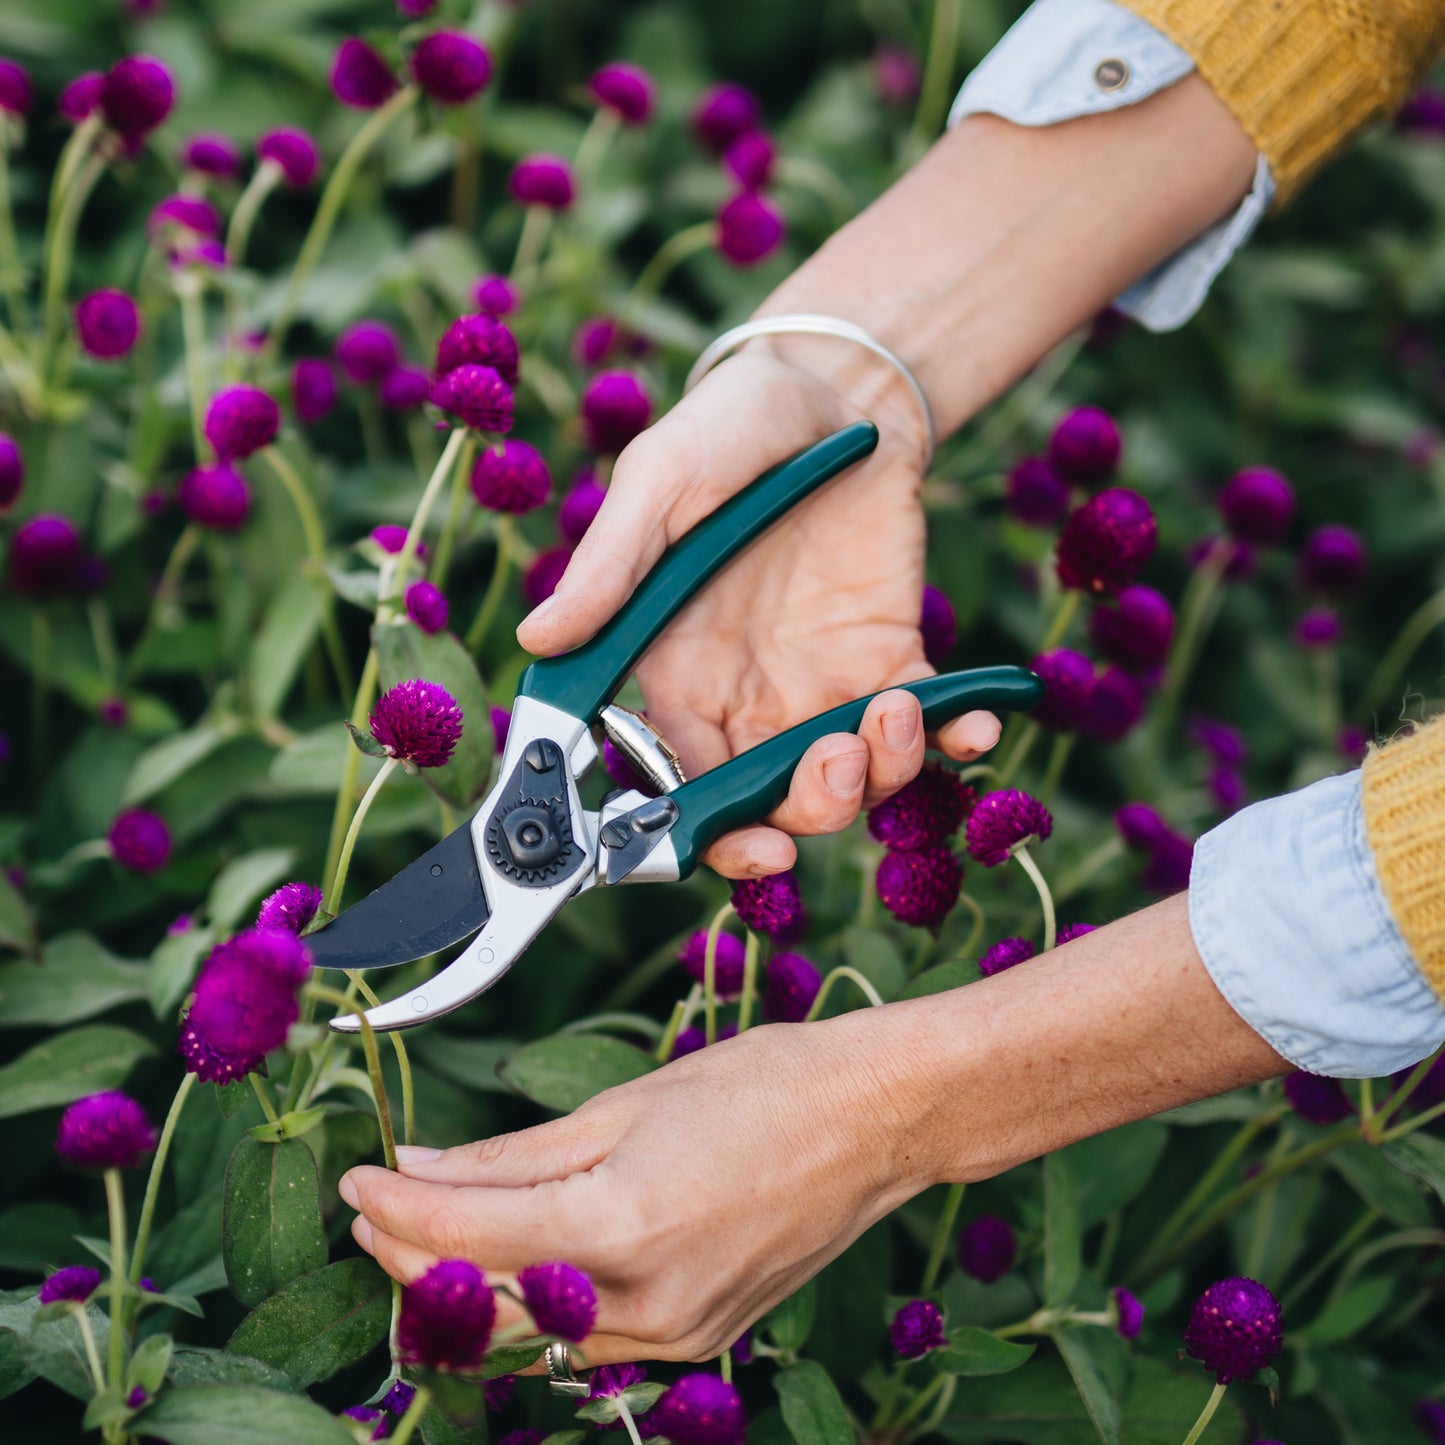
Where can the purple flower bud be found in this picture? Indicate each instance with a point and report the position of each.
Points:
(181, 923)
(1223, 743)
(104, 1131)
(691, 1039)
(16, 91)
(595, 340)
(1070, 931)
(1002, 821)
(749, 230)
(499, 1391)
(1241, 562)
(1257, 505)
(627, 90)
(216, 497)
(621, 771)
(190, 216)
(46, 556)
(750, 160)
(540, 580)
(1137, 632)
(241, 420)
(397, 1400)
(313, 390)
(1320, 627)
(722, 114)
(1423, 115)
(560, 1299)
(293, 152)
(368, 1416)
(615, 408)
(113, 712)
(290, 908)
(360, 78)
(478, 395)
(610, 1381)
(542, 180)
(427, 607)
(1085, 446)
(580, 507)
(496, 296)
(1035, 494)
(140, 841)
(511, 478)
(451, 67)
(791, 989)
(1235, 1329)
(987, 1248)
(938, 624)
(923, 812)
(12, 471)
(405, 388)
(391, 538)
(107, 323)
(137, 95)
(418, 722)
(77, 1284)
(1115, 706)
(501, 726)
(1106, 542)
(920, 887)
(1227, 789)
(81, 98)
(479, 341)
(772, 905)
(1129, 1311)
(1068, 679)
(212, 154)
(367, 352)
(1005, 954)
(1316, 1099)
(727, 962)
(446, 1318)
(415, 9)
(897, 76)
(1333, 559)
(700, 1409)
(1167, 870)
(916, 1329)
(1352, 742)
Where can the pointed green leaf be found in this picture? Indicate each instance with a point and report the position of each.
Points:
(198, 1365)
(34, 1235)
(953, 974)
(17, 924)
(565, 1071)
(1061, 1231)
(169, 759)
(173, 967)
(237, 1415)
(1087, 1354)
(286, 635)
(149, 1364)
(55, 1351)
(972, 1351)
(1384, 1180)
(1421, 1155)
(876, 957)
(68, 1066)
(241, 883)
(812, 1408)
(789, 1323)
(76, 978)
(271, 1230)
(366, 745)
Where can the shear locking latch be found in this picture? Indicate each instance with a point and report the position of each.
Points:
(628, 839)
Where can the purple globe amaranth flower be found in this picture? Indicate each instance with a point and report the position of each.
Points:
(1106, 543)
(723, 113)
(417, 722)
(1333, 559)
(244, 1004)
(12, 471)
(479, 340)
(791, 988)
(560, 1299)
(397, 1400)
(1317, 1099)
(595, 340)
(190, 216)
(1225, 744)
(1429, 1416)
(923, 812)
(615, 408)
(496, 296)
(728, 961)
(366, 1415)
(580, 507)
(107, 323)
(313, 389)
(621, 771)
(626, 90)
(446, 1317)
(987, 1248)
(478, 395)
(1227, 788)
(216, 497)
(76, 1284)
(293, 152)
(241, 420)
(1167, 869)
(1003, 821)
(1068, 679)
(1084, 447)
(750, 160)
(916, 1329)
(542, 180)
(1116, 706)
(897, 76)
(1320, 627)
(104, 1131)
(360, 77)
(540, 579)
(16, 91)
(391, 538)
(609, 1381)
(46, 556)
(771, 905)
(1423, 115)
(1070, 931)
(700, 1409)
(1235, 1329)
(181, 923)
(212, 154)
(113, 712)
(1128, 1312)
(140, 841)
(501, 726)
(1005, 954)
(939, 625)
(691, 1039)
(1239, 559)
(921, 886)
(1352, 742)
(290, 908)
(511, 478)
(415, 9)
(1035, 494)
(367, 352)
(749, 229)
(1257, 505)
(427, 607)
(406, 388)
(136, 95)
(451, 67)
(81, 97)
(499, 1391)
(1137, 632)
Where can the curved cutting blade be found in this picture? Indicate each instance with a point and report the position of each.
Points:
(431, 904)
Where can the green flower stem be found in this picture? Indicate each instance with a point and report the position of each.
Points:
(1206, 1414)
(373, 438)
(923, 1399)
(344, 1004)
(1038, 1323)
(725, 1365)
(980, 922)
(12, 276)
(596, 142)
(1417, 1121)
(855, 978)
(446, 544)
(103, 636)
(1367, 1102)
(115, 1210)
(628, 1423)
(337, 887)
(403, 1060)
(193, 327)
(153, 1182)
(750, 983)
(87, 1339)
(937, 73)
(930, 1426)
(1091, 863)
(868, 867)
(819, 180)
(394, 573)
(60, 252)
(40, 687)
(670, 1033)
(351, 768)
(633, 985)
(412, 1419)
(263, 1098)
(1021, 406)
(709, 971)
(1400, 1097)
(641, 1024)
(505, 531)
(328, 209)
(1063, 745)
(1062, 620)
(248, 206)
(1385, 679)
(1025, 861)
(1022, 745)
(670, 255)
(72, 157)
(536, 227)
(1326, 662)
(19, 373)
(1343, 1246)
(942, 1233)
(1196, 616)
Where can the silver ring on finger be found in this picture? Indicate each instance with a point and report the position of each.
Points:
(559, 1372)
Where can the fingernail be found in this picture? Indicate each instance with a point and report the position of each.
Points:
(541, 612)
(900, 727)
(416, 1154)
(347, 1190)
(844, 775)
(361, 1232)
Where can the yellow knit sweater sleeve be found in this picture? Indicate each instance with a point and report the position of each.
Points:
(1403, 794)
(1303, 76)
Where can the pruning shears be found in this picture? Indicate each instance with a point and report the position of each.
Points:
(531, 845)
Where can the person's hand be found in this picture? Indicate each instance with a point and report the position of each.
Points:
(821, 610)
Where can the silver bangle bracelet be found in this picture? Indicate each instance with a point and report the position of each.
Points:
(805, 323)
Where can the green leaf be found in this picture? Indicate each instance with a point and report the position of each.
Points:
(789, 1323)
(812, 1408)
(286, 635)
(1062, 1231)
(953, 974)
(438, 1428)
(173, 967)
(1421, 1155)
(639, 1399)
(162, 764)
(238, 1415)
(972, 1351)
(240, 884)
(507, 1360)
(196, 1365)
(313, 763)
(566, 1070)
(289, 1126)
(1226, 1109)
(1084, 1351)
(366, 745)
(55, 1351)
(35, 1235)
(1346, 1314)
(271, 1230)
(75, 978)
(876, 957)
(1383, 1180)
(1112, 1169)
(149, 1364)
(17, 924)
(468, 1061)
(68, 1066)
(320, 1323)
(107, 1408)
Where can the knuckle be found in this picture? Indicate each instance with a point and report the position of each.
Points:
(444, 1227)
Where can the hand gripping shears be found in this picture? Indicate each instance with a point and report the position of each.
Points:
(531, 845)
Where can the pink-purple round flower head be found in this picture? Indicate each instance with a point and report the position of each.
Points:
(1116, 706)
(405, 388)
(626, 90)
(1317, 1099)
(113, 712)
(46, 556)
(12, 471)
(360, 77)
(987, 1248)
(1257, 505)
(451, 67)
(1424, 115)
(415, 9)
(241, 420)
(498, 1392)
(74, 1285)
(290, 908)
(104, 1131)
(479, 340)
(501, 726)
(610, 1381)
(1136, 632)
(496, 296)
(107, 323)
(446, 1318)
(750, 160)
(728, 961)
(293, 152)
(920, 887)
(749, 229)
(1224, 744)
(1084, 447)
(540, 579)
(615, 408)
(1128, 1312)
(313, 389)
(923, 812)
(1238, 559)
(897, 76)
(1333, 559)
(81, 97)
(1167, 869)
(181, 219)
(212, 154)
(398, 1400)
(16, 91)
(542, 180)
(418, 722)
(511, 478)
(137, 95)
(700, 1409)
(1227, 789)
(1003, 821)
(367, 352)
(772, 905)
(916, 1329)
(1035, 494)
(216, 497)
(478, 396)
(560, 1299)
(939, 625)
(596, 339)
(526, 1435)
(427, 607)
(723, 113)
(791, 988)
(580, 507)
(140, 841)
(692, 1039)
(1007, 953)
(1071, 931)
(1235, 1329)
(391, 538)
(1106, 543)
(1320, 627)
(1068, 679)
(1352, 742)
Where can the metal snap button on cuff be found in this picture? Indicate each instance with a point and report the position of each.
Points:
(1111, 74)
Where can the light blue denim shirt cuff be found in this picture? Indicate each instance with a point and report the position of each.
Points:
(1288, 915)
(1067, 58)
